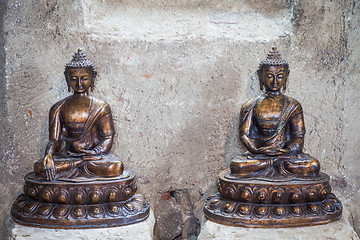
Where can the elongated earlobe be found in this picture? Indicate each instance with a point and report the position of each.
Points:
(67, 80)
(92, 85)
(261, 85)
(284, 85)
(259, 73)
(94, 74)
(286, 79)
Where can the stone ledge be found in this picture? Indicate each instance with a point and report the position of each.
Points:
(120, 22)
(340, 229)
(128, 232)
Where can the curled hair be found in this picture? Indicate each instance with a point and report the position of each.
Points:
(80, 61)
(273, 59)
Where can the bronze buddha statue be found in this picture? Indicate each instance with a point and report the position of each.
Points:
(274, 184)
(81, 130)
(80, 183)
(272, 128)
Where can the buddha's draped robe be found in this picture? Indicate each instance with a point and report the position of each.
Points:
(96, 133)
(289, 133)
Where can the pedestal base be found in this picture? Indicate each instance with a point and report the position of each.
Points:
(30, 212)
(84, 203)
(142, 230)
(81, 190)
(224, 211)
(284, 201)
(274, 190)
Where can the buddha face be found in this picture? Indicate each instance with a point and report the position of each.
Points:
(273, 77)
(80, 79)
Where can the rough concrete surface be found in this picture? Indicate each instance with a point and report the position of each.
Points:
(175, 74)
(332, 231)
(142, 230)
(337, 230)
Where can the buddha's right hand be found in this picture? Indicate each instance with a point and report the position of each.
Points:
(274, 151)
(270, 150)
(264, 149)
(79, 154)
(49, 167)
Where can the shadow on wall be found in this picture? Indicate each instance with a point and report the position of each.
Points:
(233, 145)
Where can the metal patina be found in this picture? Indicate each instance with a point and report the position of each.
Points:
(274, 184)
(79, 183)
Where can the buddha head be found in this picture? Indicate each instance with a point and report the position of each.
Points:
(273, 72)
(80, 68)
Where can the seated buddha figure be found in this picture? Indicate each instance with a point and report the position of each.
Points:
(272, 129)
(81, 130)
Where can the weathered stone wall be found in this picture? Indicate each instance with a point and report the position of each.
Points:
(176, 75)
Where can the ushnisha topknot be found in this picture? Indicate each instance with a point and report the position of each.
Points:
(80, 60)
(273, 59)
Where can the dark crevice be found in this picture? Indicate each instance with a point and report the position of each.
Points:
(176, 209)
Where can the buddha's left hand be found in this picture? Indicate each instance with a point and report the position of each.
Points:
(269, 150)
(89, 152)
(92, 152)
(72, 154)
(276, 151)
(82, 153)
(284, 150)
